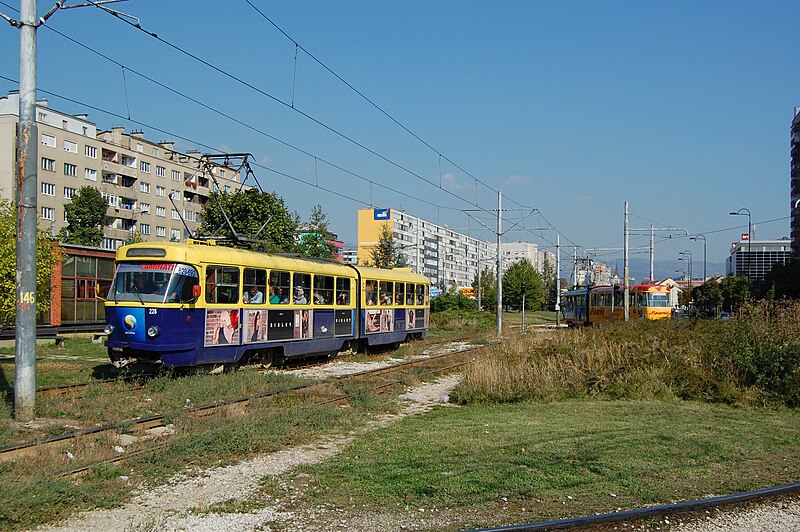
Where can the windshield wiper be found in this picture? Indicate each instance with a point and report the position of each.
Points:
(138, 294)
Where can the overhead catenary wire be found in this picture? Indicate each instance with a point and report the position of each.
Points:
(137, 25)
(380, 109)
(280, 101)
(212, 148)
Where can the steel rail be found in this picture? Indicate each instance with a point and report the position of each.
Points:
(645, 513)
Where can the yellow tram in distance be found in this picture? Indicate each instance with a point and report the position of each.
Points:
(605, 304)
(195, 303)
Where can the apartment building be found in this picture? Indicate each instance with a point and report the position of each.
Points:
(150, 188)
(443, 255)
(515, 251)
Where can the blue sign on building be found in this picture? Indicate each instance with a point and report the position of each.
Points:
(381, 214)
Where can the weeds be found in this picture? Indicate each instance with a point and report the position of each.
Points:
(753, 360)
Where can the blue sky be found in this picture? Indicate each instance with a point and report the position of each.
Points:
(571, 107)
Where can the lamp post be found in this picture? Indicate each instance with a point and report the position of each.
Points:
(705, 275)
(688, 253)
(749, 234)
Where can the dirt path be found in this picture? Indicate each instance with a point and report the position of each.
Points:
(181, 503)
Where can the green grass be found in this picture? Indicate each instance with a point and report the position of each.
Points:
(562, 459)
(76, 360)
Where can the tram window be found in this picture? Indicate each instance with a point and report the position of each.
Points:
(342, 291)
(222, 284)
(255, 285)
(385, 293)
(371, 293)
(301, 290)
(279, 290)
(181, 286)
(398, 293)
(409, 294)
(323, 290)
(420, 294)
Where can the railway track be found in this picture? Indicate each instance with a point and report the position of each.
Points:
(152, 428)
(634, 517)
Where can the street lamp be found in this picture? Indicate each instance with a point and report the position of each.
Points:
(749, 234)
(689, 253)
(705, 275)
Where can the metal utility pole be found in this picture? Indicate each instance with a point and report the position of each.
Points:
(523, 308)
(625, 303)
(27, 157)
(499, 234)
(558, 276)
(499, 264)
(652, 230)
(705, 274)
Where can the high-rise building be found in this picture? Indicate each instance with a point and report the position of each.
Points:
(795, 183)
(150, 188)
(754, 259)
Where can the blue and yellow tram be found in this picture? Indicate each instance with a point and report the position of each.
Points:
(198, 304)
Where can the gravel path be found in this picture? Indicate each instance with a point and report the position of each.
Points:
(170, 507)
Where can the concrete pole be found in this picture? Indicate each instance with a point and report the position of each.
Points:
(625, 302)
(479, 277)
(27, 167)
(652, 252)
(499, 264)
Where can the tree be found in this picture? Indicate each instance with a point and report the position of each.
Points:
(85, 214)
(45, 258)
(519, 273)
(550, 280)
(735, 292)
(314, 238)
(247, 212)
(488, 288)
(784, 280)
(134, 238)
(708, 298)
(388, 253)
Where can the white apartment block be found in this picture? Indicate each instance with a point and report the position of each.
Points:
(443, 255)
(515, 251)
(149, 187)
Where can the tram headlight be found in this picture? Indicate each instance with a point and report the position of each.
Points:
(153, 331)
(108, 329)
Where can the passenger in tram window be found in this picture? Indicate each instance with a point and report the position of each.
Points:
(371, 296)
(300, 296)
(344, 298)
(318, 298)
(274, 295)
(253, 296)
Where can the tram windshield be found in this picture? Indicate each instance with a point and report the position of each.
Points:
(154, 283)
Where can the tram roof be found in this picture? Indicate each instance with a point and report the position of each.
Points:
(205, 253)
(199, 252)
(397, 274)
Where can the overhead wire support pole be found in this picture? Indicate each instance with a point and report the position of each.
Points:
(625, 302)
(499, 234)
(499, 264)
(652, 230)
(27, 154)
